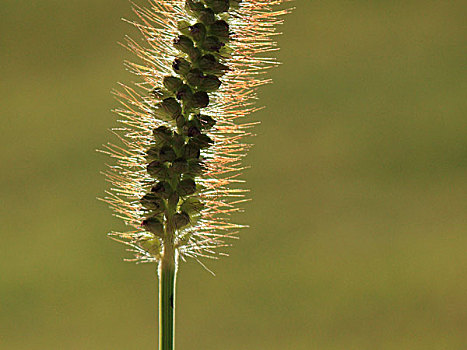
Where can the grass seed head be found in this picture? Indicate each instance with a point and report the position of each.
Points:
(175, 181)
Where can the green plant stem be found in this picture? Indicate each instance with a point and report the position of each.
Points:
(167, 282)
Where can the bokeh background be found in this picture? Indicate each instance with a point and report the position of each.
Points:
(358, 223)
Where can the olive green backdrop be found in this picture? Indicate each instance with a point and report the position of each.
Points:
(358, 179)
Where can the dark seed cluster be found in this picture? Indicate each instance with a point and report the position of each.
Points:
(174, 159)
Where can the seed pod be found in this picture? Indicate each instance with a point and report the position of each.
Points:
(191, 130)
(212, 43)
(193, 122)
(179, 166)
(152, 154)
(153, 225)
(186, 187)
(162, 134)
(195, 167)
(195, 54)
(181, 66)
(200, 99)
(194, 7)
(169, 107)
(191, 150)
(206, 121)
(192, 206)
(183, 27)
(172, 83)
(157, 170)
(209, 64)
(206, 16)
(184, 93)
(184, 44)
(178, 141)
(220, 29)
(210, 83)
(187, 96)
(197, 32)
(194, 77)
(235, 4)
(181, 220)
(152, 246)
(152, 202)
(218, 6)
(167, 154)
(162, 189)
(203, 141)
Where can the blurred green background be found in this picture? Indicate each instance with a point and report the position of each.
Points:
(358, 223)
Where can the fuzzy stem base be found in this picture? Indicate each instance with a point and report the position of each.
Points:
(167, 282)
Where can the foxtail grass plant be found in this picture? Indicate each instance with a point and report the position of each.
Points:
(182, 130)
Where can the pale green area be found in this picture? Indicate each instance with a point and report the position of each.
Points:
(358, 233)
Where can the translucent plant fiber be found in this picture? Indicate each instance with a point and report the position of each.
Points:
(183, 124)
